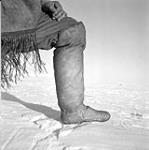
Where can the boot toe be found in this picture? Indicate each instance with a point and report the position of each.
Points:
(104, 116)
(95, 115)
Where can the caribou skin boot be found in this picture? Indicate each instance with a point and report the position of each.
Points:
(69, 77)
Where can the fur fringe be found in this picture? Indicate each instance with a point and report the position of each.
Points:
(17, 50)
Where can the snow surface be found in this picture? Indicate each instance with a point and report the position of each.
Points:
(33, 103)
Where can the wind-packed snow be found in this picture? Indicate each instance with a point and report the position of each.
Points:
(32, 105)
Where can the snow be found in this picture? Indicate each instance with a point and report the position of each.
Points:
(29, 114)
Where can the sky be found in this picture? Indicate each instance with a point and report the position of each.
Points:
(117, 39)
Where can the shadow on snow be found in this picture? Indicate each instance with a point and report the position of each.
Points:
(47, 111)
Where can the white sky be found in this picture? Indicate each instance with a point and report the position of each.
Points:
(117, 39)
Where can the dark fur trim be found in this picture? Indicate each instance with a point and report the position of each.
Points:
(17, 48)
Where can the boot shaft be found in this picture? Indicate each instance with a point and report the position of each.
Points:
(68, 67)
